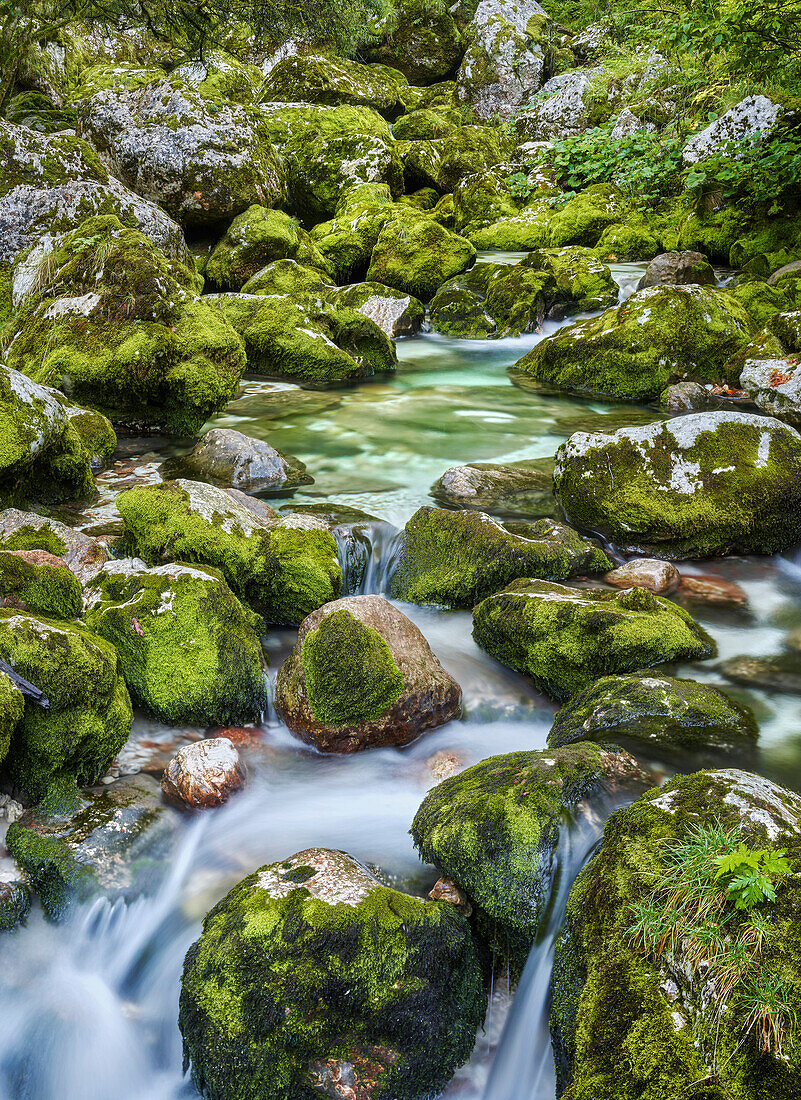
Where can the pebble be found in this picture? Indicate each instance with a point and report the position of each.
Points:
(204, 774)
(652, 573)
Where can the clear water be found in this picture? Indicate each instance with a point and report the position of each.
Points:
(89, 1007)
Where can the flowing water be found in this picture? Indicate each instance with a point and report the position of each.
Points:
(89, 1007)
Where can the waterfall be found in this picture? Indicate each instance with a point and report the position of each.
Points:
(368, 554)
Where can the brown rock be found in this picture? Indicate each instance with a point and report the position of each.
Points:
(247, 736)
(678, 269)
(446, 890)
(83, 555)
(204, 774)
(654, 574)
(429, 696)
(712, 591)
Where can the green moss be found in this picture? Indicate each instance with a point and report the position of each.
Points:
(632, 352)
(704, 485)
(493, 830)
(195, 657)
(283, 572)
(584, 218)
(310, 78)
(27, 537)
(43, 588)
(288, 976)
(658, 714)
(89, 717)
(5, 293)
(628, 241)
(147, 351)
(458, 558)
(15, 904)
(422, 39)
(417, 256)
(760, 299)
(350, 673)
(254, 239)
(713, 233)
(564, 638)
(12, 708)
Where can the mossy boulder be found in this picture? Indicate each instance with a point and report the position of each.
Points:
(311, 339)
(578, 281)
(661, 1014)
(458, 558)
(42, 456)
(362, 675)
(117, 842)
(291, 277)
(505, 58)
(395, 313)
(311, 970)
(633, 351)
(12, 708)
(427, 124)
(422, 40)
(522, 490)
(85, 556)
(36, 581)
(94, 430)
(633, 239)
(220, 74)
(658, 715)
(254, 239)
(15, 903)
(441, 163)
(316, 78)
(416, 255)
(232, 460)
(584, 217)
(698, 486)
(51, 184)
(124, 328)
(348, 240)
(494, 830)
(200, 158)
(88, 719)
(564, 638)
(189, 650)
(285, 569)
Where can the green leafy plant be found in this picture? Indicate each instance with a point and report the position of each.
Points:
(750, 876)
(761, 169)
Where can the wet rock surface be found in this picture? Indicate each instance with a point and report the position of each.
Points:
(204, 774)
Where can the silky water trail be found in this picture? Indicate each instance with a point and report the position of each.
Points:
(90, 1005)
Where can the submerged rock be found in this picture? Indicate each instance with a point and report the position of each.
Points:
(362, 675)
(329, 980)
(781, 672)
(520, 491)
(666, 986)
(564, 638)
(88, 718)
(229, 459)
(657, 714)
(285, 569)
(204, 774)
(696, 486)
(189, 650)
(117, 842)
(457, 558)
(494, 829)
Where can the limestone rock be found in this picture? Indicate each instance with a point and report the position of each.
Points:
(753, 117)
(229, 459)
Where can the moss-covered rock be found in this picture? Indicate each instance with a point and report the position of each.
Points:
(117, 842)
(112, 319)
(89, 715)
(12, 708)
(362, 675)
(85, 556)
(774, 385)
(316, 78)
(633, 351)
(97, 436)
(421, 39)
(505, 59)
(15, 904)
(584, 218)
(564, 638)
(427, 124)
(659, 715)
(458, 558)
(348, 240)
(284, 569)
(630, 1022)
(254, 239)
(220, 74)
(417, 255)
(189, 650)
(309, 339)
(36, 581)
(395, 313)
(42, 456)
(442, 162)
(310, 965)
(629, 240)
(200, 158)
(295, 279)
(494, 829)
(578, 280)
(713, 232)
(697, 486)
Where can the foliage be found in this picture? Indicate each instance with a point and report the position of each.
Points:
(709, 914)
(760, 169)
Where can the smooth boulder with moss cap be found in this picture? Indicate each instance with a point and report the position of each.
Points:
(85, 556)
(458, 558)
(283, 567)
(692, 487)
(254, 239)
(564, 638)
(628, 1021)
(36, 581)
(72, 742)
(311, 971)
(189, 650)
(657, 714)
(362, 675)
(494, 829)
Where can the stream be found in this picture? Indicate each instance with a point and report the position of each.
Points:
(90, 1005)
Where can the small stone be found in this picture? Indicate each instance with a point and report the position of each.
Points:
(241, 735)
(685, 397)
(204, 774)
(444, 764)
(712, 591)
(781, 673)
(652, 573)
(447, 890)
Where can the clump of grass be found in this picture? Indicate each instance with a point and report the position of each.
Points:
(711, 913)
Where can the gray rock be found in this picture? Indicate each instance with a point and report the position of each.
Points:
(19, 530)
(753, 117)
(559, 110)
(627, 124)
(775, 386)
(788, 269)
(678, 269)
(395, 313)
(686, 397)
(524, 490)
(229, 459)
(503, 66)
